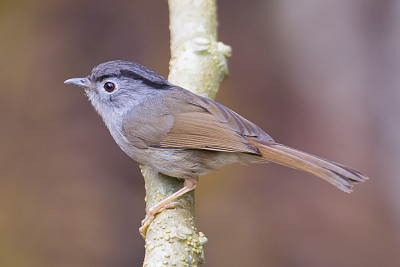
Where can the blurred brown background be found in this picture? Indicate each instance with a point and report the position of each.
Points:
(321, 76)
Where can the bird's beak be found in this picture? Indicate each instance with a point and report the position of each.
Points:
(81, 82)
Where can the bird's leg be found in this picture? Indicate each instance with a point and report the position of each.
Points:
(188, 185)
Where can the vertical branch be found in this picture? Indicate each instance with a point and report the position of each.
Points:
(198, 63)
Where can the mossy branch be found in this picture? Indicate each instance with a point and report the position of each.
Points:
(198, 63)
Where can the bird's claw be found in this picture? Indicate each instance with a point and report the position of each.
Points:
(151, 215)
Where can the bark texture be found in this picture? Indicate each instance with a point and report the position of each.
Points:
(198, 63)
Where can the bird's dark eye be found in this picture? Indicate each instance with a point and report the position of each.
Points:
(109, 86)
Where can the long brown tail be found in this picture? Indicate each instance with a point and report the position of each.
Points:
(339, 175)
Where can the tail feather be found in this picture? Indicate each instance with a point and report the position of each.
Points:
(339, 175)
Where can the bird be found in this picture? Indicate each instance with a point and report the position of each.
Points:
(184, 135)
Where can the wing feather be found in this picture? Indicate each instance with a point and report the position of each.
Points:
(202, 131)
(187, 121)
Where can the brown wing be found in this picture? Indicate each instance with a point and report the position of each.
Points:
(203, 131)
(193, 122)
(233, 120)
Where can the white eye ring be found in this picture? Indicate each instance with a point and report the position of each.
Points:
(109, 87)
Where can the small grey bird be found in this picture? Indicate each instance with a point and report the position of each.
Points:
(184, 135)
